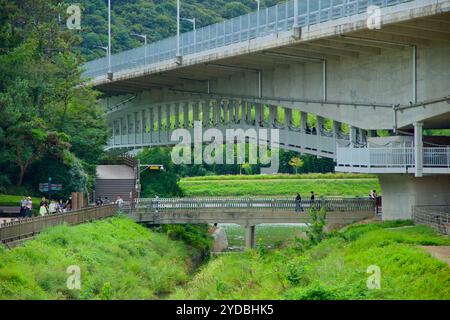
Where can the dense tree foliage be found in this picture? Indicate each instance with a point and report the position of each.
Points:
(51, 123)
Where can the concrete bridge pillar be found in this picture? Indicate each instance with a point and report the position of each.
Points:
(230, 112)
(168, 119)
(177, 116)
(418, 148)
(196, 111)
(287, 118)
(320, 125)
(303, 121)
(151, 122)
(186, 115)
(205, 114)
(249, 113)
(225, 113)
(353, 137)
(273, 116)
(250, 237)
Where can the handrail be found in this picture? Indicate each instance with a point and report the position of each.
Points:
(279, 18)
(253, 204)
(26, 228)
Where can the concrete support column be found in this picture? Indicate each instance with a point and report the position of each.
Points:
(273, 116)
(114, 132)
(186, 115)
(215, 112)
(225, 112)
(143, 125)
(243, 107)
(320, 125)
(418, 148)
(151, 120)
(127, 128)
(249, 113)
(159, 117)
(237, 105)
(353, 137)
(287, 118)
(168, 119)
(303, 121)
(259, 121)
(230, 112)
(206, 114)
(177, 116)
(250, 237)
(196, 111)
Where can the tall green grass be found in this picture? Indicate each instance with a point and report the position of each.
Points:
(279, 187)
(118, 259)
(334, 269)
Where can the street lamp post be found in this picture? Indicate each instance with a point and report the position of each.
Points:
(178, 33)
(258, 1)
(143, 36)
(110, 75)
(194, 28)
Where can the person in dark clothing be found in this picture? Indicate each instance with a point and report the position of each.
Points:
(298, 203)
(312, 198)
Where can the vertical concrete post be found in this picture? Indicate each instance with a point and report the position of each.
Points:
(353, 137)
(337, 127)
(237, 109)
(320, 125)
(258, 115)
(230, 112)
(250, 237)
(144, 126)
(159, 116)
(186, 115)
(273, 116)
(151, 121)
(225, 112)
(207, 114)
(177, 116)
(243, 107)
(418, 149)
(127, 128)
(168, 119)
(196, 111)
(287, 118)
(249, 113)
(134, 128)
(121, 129)
(303, 121)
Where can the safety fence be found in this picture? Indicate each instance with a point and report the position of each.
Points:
(26, 228)
(255, 204)
(437, 217)
(261, 23)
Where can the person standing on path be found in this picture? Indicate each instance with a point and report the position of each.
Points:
(298, 203)
(43, 207)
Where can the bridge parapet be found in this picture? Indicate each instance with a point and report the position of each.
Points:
(248, 211)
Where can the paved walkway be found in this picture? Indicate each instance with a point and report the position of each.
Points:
(439, 252)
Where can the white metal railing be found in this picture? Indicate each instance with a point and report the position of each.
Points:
(438, 157)
(243, 28)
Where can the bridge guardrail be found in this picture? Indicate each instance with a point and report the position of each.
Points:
(26, 228)
(437, 217)
(256, 24)
(279, 204)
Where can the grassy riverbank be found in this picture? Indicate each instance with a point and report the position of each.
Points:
(334, 269)
(118, 258)
(280, 185)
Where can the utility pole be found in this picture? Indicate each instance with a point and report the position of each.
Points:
(178, 57)
(110, 74)
(143, 36)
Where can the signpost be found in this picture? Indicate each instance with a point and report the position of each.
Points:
(49, 187)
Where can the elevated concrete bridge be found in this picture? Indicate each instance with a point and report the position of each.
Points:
(300, 59)
(248, 212)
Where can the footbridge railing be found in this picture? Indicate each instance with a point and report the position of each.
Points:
(248, 211)
(254, 204)
(27, 228)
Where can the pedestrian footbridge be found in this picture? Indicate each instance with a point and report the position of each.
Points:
(248, 212)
